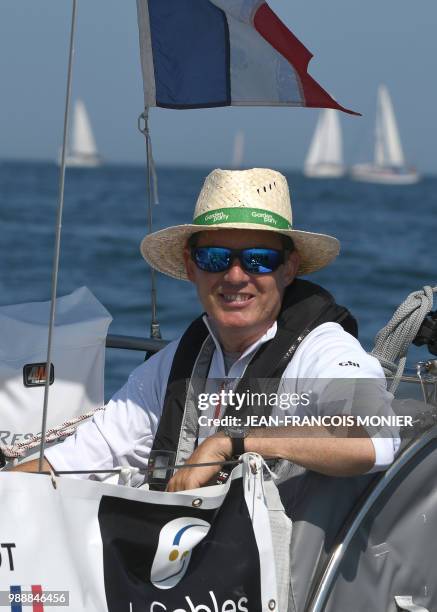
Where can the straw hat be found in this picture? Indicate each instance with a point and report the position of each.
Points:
(255, 199)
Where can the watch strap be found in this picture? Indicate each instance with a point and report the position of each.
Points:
(237, 446)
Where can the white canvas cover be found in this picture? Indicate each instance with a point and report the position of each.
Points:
(78, 358)
(119, 549)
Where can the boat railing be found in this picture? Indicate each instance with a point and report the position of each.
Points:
(135, 343)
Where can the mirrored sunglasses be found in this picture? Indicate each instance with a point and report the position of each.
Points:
(253, 260)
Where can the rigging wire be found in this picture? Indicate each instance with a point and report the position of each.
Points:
(152, 198)
(55, 268)
(181, 466)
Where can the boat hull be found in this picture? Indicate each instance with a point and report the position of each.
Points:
(83, 161)
(324, 171)
(370, 173)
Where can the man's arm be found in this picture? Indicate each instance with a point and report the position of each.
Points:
(314, 448)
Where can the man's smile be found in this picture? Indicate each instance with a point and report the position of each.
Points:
(236, 300)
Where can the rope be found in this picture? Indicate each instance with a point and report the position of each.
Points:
(15, 451)
(135, 470)
(393, 341)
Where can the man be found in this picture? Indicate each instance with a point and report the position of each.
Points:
(243, 255)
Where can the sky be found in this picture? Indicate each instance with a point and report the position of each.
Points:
(356, 45)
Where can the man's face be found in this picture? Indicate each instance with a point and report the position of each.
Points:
(237, 301)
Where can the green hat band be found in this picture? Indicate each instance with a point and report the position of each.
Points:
(242, 215)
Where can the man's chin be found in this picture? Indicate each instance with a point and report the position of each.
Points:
(234, 320)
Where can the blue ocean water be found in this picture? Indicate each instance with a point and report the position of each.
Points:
(387, 233)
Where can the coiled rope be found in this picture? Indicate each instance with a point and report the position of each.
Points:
(393, 341)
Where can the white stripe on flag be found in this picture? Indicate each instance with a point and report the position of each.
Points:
(260, 76)
(243, 10)
(146, 53)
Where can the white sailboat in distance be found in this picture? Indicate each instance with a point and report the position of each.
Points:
(389, 165)
(325, 155)
(83, 151)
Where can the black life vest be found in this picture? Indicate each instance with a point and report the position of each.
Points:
(305, 306)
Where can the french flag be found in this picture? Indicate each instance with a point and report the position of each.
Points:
(208, 53)
(19, 606)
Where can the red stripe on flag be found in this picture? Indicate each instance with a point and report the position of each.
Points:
(37, 606)
(276, 33)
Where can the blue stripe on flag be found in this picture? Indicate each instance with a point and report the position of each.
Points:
(190, 41)
(15, 607)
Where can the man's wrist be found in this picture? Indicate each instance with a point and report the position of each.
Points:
(237, 436)
(224, 444)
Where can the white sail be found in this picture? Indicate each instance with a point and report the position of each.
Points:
(83, 150)
(83, 142)
(325, 155)
(388, 148)
(238, 151)
(389, 165)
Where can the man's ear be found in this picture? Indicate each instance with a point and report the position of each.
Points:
(291, 266)
(189, 264)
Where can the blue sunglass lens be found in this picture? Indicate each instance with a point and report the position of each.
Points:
(254, 261)
(212, 259)
(261, 261)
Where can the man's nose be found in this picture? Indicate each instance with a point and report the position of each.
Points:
(236, 274)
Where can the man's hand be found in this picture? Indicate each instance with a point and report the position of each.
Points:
(216, 448)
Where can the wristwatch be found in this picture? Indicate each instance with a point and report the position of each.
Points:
(237, 435)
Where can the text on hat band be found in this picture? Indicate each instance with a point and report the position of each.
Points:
(242, 215)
